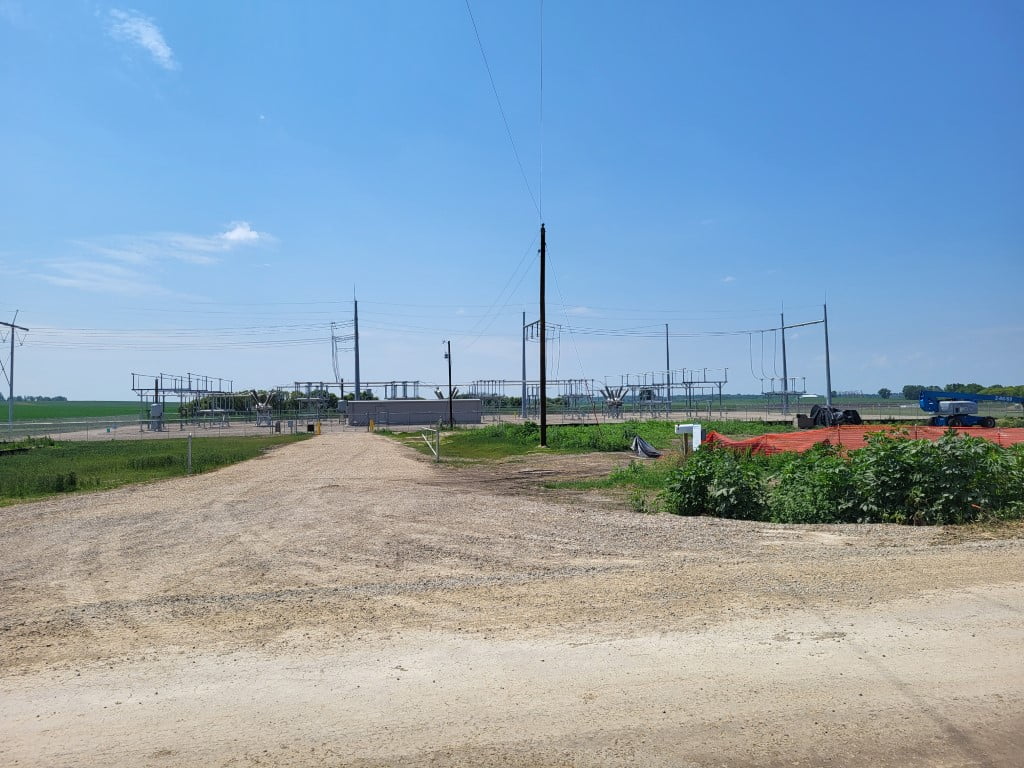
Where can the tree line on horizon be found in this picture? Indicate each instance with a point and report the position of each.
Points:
(913, 391)
(35, 399)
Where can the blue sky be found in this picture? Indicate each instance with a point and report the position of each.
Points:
(201, 187)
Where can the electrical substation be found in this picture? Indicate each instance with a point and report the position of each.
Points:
(209, 402)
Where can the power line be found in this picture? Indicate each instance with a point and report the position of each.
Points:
(501, 109)
(764, 373)
(750, 353)
(540, 180)
(522, 277)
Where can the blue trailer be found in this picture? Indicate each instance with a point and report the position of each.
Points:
(960, 409)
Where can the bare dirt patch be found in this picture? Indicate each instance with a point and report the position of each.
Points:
(343, 601)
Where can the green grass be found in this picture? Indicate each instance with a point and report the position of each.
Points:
(50, 467)
(498, 441)
(642, 474)
(72, 409)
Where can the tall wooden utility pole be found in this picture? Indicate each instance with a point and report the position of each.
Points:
(828, 366)
(355, 321)
(785, 372)
(10, 374)
(543, 348)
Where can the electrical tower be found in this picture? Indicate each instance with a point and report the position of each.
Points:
(9, 371)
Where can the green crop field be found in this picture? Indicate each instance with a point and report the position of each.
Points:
(35, 468)
(71, 409)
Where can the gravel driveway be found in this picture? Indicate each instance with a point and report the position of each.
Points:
(343, 601)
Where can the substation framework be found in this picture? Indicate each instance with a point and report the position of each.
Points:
(783, 392)
(638, 395)
(188, 388)
(154, 391)
(315, 394)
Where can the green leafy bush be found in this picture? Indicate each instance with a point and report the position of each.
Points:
(919, 482)
(956, 479)
(815, 487)
(716, 481)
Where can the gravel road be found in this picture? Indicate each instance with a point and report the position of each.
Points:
(343, 601)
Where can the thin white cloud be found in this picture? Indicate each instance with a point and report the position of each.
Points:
(578, 310)
(99, 277)
(133, 27)
(180, 246)
(127, 263)
(728, 279)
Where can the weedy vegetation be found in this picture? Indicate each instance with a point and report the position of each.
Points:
(496, 441)
(955, 480)
(39, 467)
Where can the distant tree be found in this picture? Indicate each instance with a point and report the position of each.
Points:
(1017, 391)
(912, 391)
(971, 388)
(885, 393)
(365, 395)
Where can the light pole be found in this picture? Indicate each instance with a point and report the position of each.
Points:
(451, 410)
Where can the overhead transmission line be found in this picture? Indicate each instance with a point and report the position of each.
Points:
(540, 174)
(764, 373)
(494, 316)
(501, 109)
(750, 354)
(158, 339)
(648, 331)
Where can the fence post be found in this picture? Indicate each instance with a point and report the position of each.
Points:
(437, 442)
(190, 453)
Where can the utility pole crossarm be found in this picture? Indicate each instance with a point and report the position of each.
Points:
(10, 375)
(785, 327)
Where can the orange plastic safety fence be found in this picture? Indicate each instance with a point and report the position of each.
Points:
(852, 437)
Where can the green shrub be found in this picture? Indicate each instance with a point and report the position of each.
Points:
(956, 479)
(919, 482)
(716, 481)
(816, 487)
(640, 501)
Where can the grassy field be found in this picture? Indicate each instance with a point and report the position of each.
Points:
(71, 409)
(35, 468)
(498, 441)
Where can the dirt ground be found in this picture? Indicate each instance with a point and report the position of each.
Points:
(343, 601)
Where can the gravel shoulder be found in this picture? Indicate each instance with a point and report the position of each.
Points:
(343, 601)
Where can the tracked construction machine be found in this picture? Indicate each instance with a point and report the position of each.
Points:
(960, 409)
